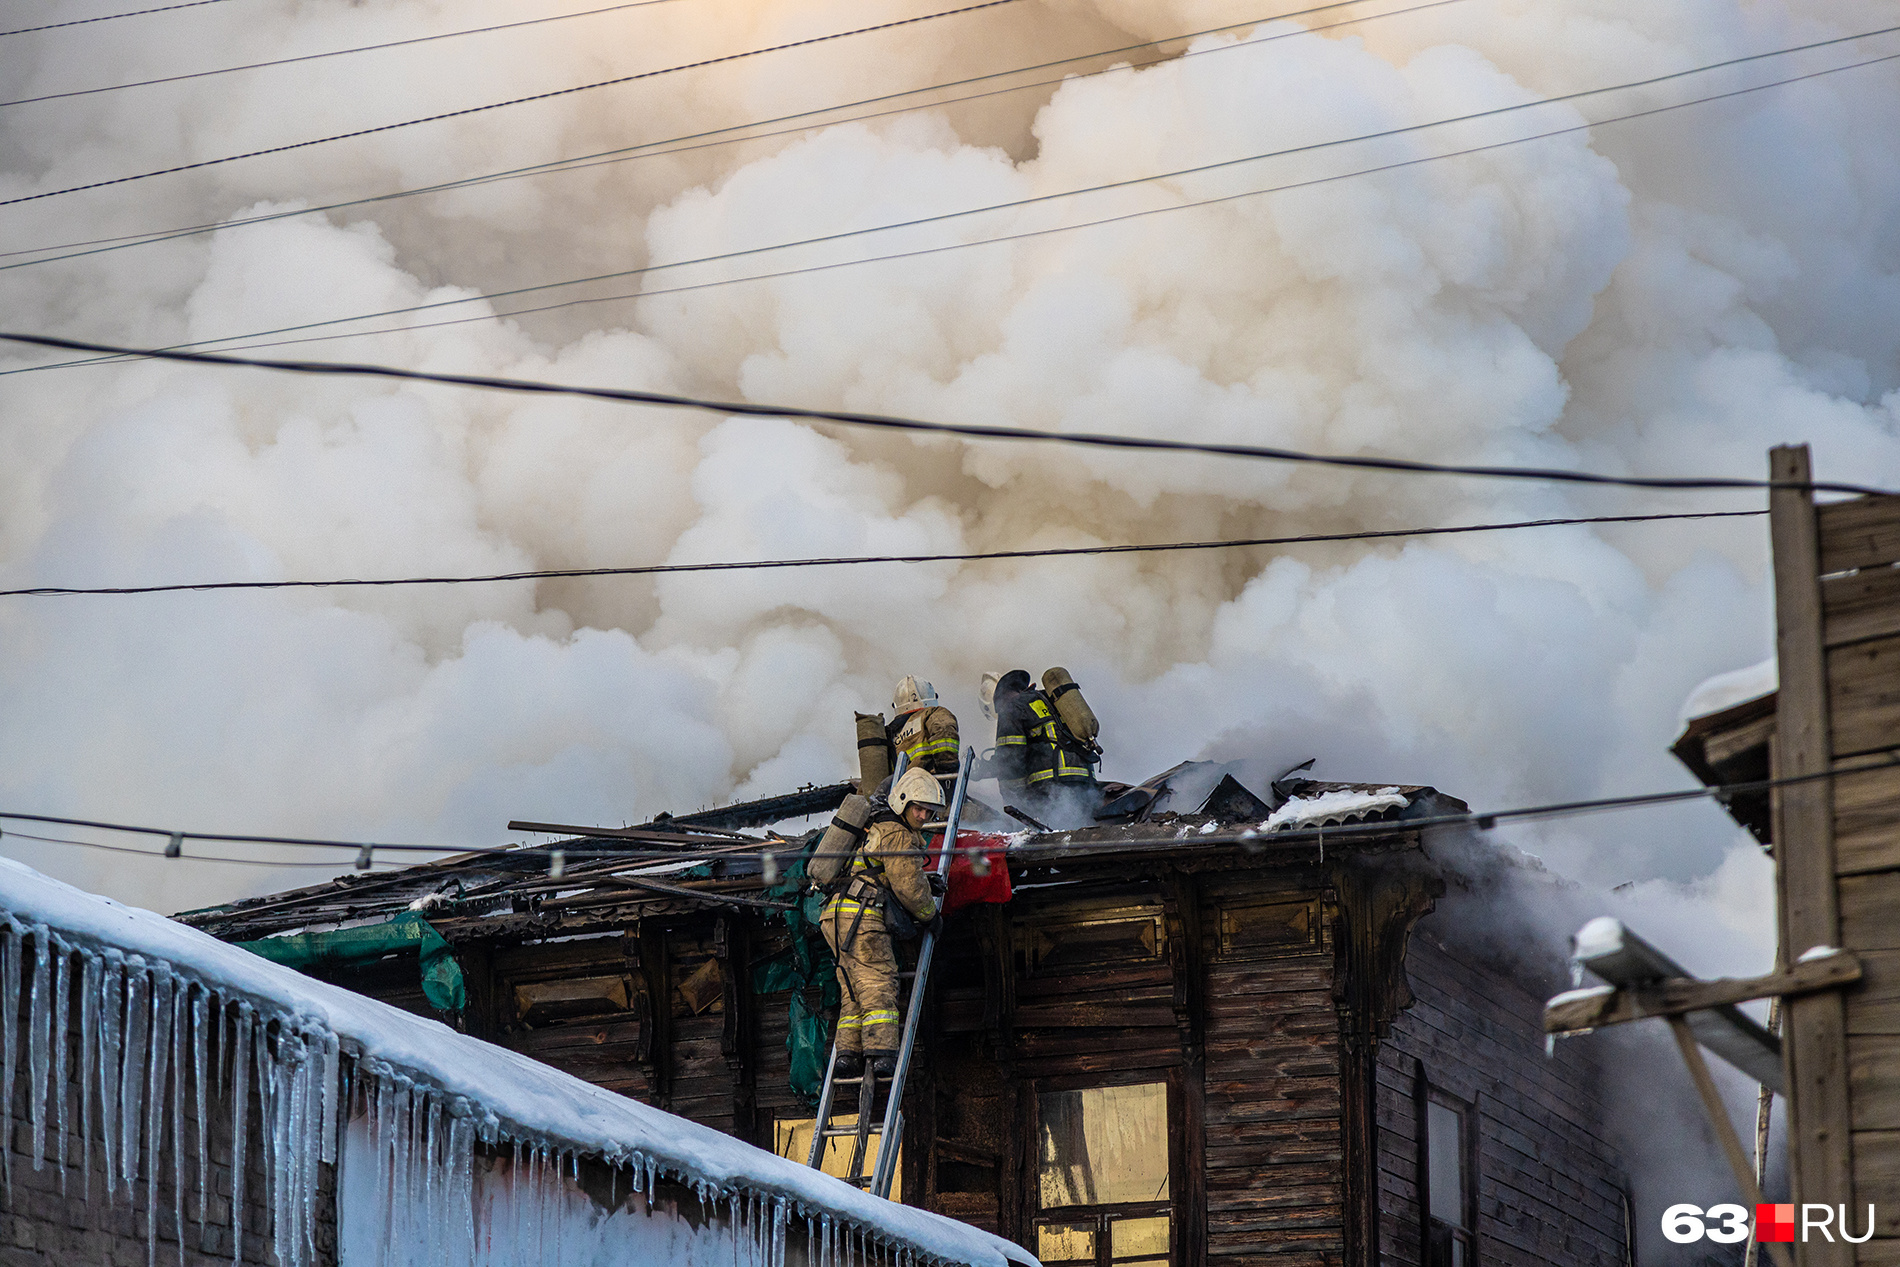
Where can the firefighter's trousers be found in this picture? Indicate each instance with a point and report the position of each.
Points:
(867, 977)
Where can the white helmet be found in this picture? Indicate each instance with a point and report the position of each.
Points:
(986, 694)
(912, 695)
(918, 787)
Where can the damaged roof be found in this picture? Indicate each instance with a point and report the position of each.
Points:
(702, 861)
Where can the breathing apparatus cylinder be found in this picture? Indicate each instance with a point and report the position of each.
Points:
(829, 860)
(1070, 706)
(874, 752)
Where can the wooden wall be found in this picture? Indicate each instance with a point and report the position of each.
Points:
(1273, 1110)
(1238, 989)
(1548, 1190)
(1838, 844)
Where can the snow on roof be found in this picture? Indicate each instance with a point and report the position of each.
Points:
(1333, 807)
(1726, 690)
(523, 1099)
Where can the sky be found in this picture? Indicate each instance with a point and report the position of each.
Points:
(1447, 231)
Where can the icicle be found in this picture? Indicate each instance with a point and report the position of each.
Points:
(91, 991)
(781, 1222)
(138, 1033)
(284, 1122)
(264, 1075)
(39, 1041)
(111, 1006)
(200, 1022)
(239, 1065)
(62, 1042)
(160, 1028)
(9, 1056)
(432, 1218)
(181, 1001)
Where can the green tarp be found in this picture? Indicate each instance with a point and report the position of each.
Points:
(807, 963)
(441, 976)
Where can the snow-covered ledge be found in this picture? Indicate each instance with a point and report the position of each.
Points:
(404, 1104)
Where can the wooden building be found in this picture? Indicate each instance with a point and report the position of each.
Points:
(1183, 1040)
(1830, 737)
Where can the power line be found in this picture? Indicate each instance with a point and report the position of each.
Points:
(652, 148)
(109, 17)
(312, 57)
(47, 591)
(497, 105)
(1483, 820)
(978, 431)
(338, 865)
(1025, 235)
(1035, 233)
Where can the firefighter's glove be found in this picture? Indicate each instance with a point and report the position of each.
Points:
(934, 926)
(939, 884)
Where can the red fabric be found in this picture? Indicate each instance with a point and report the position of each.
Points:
(967, 888)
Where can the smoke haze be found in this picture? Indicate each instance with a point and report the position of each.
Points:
(1665, 296)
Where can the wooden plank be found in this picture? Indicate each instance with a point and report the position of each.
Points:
(1867, 819)
(1815, 1045)
(1860, 533)
(1095, 1016)
(1864, 696)
(1873, 1077)
(1882, 1251)
(1580, 1010)
(1876, 1177)
(1861, 605)
(1874, 1006)
(1867, 906)
(1307, 972)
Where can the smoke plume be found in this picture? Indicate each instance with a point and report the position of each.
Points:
(1667, 295)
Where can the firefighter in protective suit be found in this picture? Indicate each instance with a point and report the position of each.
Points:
(924, 729)
(1036, 758)
(890, 866)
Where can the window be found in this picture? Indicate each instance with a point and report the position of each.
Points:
(1103, 1185)
(1450, 1202)
(791, 1138)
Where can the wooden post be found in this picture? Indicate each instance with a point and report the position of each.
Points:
(1724, 1129)
(1815, 1042)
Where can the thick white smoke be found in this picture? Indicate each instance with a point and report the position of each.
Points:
(1669, 295)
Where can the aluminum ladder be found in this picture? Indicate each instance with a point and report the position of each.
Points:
(884, 1168)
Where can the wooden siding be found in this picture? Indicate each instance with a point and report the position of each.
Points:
(1859, 627)
(1548, 1189)
(1273, 1127)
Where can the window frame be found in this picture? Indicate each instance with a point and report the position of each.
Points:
(1104, 1215)
(1433, 1231)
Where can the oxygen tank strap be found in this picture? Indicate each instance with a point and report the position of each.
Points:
(856, 833)
(1064, 689)
(874, 743)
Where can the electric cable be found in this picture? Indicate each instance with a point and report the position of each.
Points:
(1483, 820)
(497, 105)
(338, 865)
(312, 57)
(109, 17)
(977, 431)
(544, 574)
(651, 148)
(1026, 234)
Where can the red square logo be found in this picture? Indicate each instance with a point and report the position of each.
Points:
(1774, 1223)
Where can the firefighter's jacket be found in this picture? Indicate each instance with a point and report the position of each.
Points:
(891, 859)
(929, 737)
(1030, 747)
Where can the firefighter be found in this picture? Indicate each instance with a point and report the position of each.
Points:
(924, 729)
(1036, 760)
(890, 866)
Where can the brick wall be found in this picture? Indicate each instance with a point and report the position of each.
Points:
(1549, 1189)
